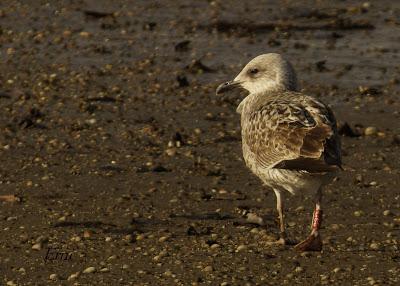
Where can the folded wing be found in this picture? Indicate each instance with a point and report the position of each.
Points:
(293, 134)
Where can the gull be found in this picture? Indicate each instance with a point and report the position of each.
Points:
(289, 138)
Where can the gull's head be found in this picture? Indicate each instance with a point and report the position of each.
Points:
(264, 73)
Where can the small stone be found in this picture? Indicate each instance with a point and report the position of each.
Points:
(254, 230)
(208, 269)
(241, 248)
(91, 121)
(337, 269)
(215, 246)
(375, 246)
(84, 34)
(224, 284)
(157, 258)
(254, 218)
(73, 276)
(168, 273)
(299, 269)
(87, 234)
(125, 266)
(11, 283)
(140, 237)
(370, 131)
(37, 246)
(324, 277)
(358, 213)
(105, 269)
(371, 280)
(163, 239)
(129, 238)
(387, 212)
(53, 276)
(108, 239)
(171, 152)
(90, 269)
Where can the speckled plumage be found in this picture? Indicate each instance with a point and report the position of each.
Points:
(289, 139)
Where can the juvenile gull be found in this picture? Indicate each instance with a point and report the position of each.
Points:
(289, 139)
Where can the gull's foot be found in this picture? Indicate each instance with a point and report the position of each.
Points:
(311, 243)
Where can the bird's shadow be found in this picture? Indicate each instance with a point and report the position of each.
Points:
(177, 223)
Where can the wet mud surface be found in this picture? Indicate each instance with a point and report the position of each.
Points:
(122, 166)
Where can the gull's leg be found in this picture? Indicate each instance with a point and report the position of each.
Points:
(314, 241)
(279, 207)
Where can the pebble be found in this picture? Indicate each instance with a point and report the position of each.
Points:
(337, 269)
(370, 131)
(87, 234)
(140, 237)
(73, 276)
(254, 230)
(224, 284)
(375, 246)
(387, 212)
(91, 121)
(215, 246)
(90, 269)
(129, 238)
(324, 277)
(253, 218)
(163, 239)
(11, 283)
(53, 276)
(105, 269)
(171, 152)
(208, 269)
(37, 246)
(241, 248)
(10, 218)
(84, 34)
(299, 269)
(358, 213)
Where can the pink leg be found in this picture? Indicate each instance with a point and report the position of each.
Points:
(313, 242)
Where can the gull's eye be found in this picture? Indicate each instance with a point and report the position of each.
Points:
(253, 71)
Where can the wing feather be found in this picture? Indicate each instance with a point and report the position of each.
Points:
(293, 134)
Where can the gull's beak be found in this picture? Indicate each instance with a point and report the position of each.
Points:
(226, 86)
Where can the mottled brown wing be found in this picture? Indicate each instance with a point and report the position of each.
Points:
(283, 134)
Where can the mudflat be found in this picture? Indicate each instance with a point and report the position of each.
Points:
(122, 167)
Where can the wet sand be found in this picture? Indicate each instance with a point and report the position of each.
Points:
(121, 156)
